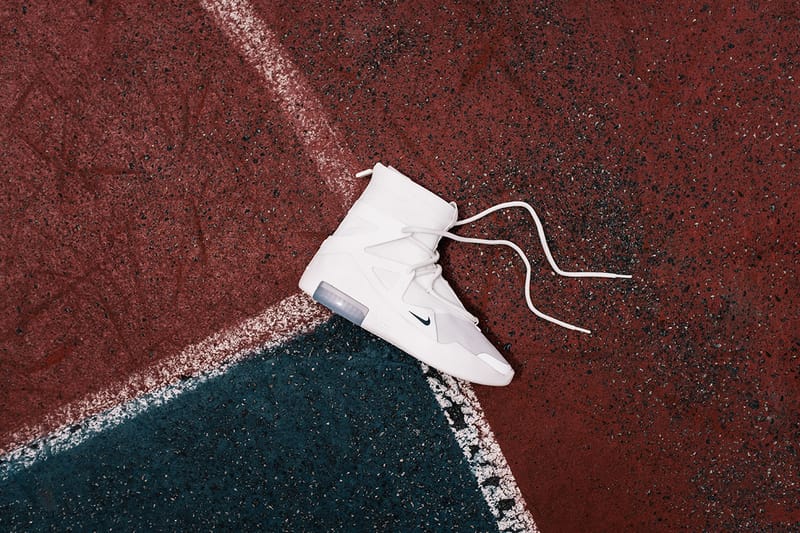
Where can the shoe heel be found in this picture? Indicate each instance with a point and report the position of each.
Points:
(340, 303)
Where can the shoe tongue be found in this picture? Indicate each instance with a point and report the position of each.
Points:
(439, 220)
(394, 194)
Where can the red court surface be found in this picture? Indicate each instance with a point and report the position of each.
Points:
(155, 190)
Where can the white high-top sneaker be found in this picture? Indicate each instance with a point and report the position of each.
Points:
(383, 277)
(379, 270)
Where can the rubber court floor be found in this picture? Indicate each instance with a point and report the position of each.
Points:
(169, 168)
(301, 437)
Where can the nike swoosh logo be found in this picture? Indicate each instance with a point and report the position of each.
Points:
(425, 321)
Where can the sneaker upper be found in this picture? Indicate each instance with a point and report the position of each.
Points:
(404, 265)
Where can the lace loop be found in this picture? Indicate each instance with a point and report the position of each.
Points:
(435, 274)
(518, 250)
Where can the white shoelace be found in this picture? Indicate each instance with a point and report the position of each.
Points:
(502, 242)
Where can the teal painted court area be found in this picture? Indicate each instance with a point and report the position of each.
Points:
(334, 431)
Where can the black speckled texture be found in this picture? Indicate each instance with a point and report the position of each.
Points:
(153, 193)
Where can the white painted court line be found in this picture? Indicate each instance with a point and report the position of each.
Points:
(69, 426)
(293, 316)
(260, 46)
(262, 49)
(468, 422)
